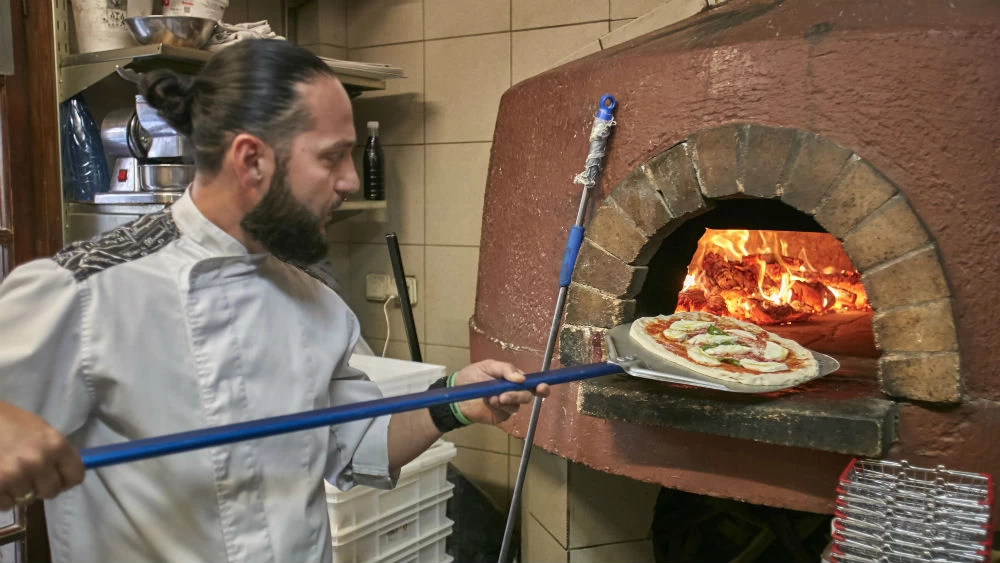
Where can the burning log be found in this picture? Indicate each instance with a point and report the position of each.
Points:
(766, 286)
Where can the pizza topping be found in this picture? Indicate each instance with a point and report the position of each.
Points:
(741, 333)
(690, 326)
(774, 351)
(706, 340)
(732, 361)
(763, 366)
(699, 355)
(716, 331)
(675, 334)
(728, 350)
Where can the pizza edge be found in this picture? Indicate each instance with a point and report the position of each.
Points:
(759, 379)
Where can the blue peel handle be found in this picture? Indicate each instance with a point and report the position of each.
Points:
(569, 255)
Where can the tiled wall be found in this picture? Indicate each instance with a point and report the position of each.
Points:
(437, 126)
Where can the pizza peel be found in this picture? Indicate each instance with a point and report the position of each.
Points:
(639, 362)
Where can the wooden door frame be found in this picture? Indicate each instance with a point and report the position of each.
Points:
(30, 126)
(32, 130)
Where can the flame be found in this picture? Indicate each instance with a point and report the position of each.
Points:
(771, 277)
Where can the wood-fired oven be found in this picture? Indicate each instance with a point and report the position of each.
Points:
(871, 126)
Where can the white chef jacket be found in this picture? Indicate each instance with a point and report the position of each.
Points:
(167, 325)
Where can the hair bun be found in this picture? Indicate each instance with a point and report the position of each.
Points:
(172, 94)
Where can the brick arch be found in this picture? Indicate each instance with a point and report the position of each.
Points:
(913, 320)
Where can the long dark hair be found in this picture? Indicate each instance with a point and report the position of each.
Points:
(248, 87)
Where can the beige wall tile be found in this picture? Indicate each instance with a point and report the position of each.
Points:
(456, 184)
(398, 349)
(380, 22)
(399, 108)
(515, 445)
(538, 50)
(513, 464)
(404, 194)
(451, 18)
(588, 49)
(621, 9)
(545, 494)
(479, 437)
(615, 24)
(333, 22)
(451, 357)
(374, 259)
(465, 78)
(605, 508)
(306, 17)
(450, 290)
(486, 470)
(329, 51)
(669, 13)
(634, 552)
(538, 545)
(526, 14)
(321, 21)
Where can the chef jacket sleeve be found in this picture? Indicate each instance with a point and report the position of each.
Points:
(359, 451)
(41, 345)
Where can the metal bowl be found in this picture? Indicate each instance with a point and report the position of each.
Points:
(177, 31)
(166, 177)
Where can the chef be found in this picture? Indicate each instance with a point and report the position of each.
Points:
(209, 313)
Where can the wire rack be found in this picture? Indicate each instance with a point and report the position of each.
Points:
(893, 512)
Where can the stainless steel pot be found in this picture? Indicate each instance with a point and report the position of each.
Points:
(166, 177)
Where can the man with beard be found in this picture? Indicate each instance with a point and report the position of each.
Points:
(207, 314)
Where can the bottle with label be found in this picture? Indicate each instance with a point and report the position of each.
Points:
(374, 165)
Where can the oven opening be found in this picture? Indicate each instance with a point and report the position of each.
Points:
(763, 262)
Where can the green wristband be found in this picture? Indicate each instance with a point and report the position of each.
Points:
(455, 410)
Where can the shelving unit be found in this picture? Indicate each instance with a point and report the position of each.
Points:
(79, 72)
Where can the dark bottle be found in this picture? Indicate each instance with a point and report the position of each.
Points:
(374, 165)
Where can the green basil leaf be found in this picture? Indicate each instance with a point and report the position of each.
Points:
(714, 331)
(733, 361)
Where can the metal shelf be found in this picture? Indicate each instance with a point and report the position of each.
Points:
(79, 72)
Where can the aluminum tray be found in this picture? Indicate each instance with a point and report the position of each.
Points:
(638, 362)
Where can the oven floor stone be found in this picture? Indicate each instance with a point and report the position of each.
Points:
(843, 412)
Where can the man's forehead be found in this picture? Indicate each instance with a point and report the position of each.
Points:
(332, 120)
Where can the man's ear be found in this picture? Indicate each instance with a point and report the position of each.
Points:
(253, 162)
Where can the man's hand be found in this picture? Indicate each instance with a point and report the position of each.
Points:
(36, 461)
(498, 408)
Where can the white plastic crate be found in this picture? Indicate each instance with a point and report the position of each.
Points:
(361, 507)
(393, 537)
(428, 550)
(397, 377)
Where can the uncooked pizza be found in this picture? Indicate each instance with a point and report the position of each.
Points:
(725, 348)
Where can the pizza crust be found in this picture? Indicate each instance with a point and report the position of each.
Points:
(787, 378)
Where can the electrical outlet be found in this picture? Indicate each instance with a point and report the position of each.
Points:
(378, 287)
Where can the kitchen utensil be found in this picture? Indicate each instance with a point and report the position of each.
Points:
(177, 31)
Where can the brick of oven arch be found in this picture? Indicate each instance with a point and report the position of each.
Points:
(913, 323)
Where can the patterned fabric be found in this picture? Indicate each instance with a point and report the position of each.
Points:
(128, 242)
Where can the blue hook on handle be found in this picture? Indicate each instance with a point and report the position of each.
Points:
(607, 108)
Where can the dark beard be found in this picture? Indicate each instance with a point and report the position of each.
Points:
(285, 227)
